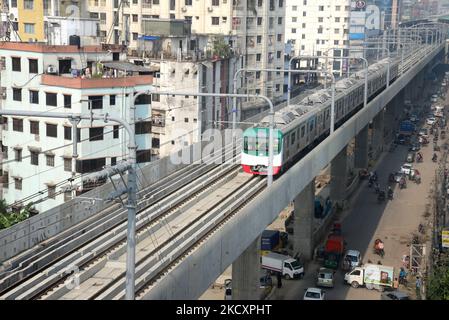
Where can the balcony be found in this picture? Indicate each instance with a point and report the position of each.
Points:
(85, 83)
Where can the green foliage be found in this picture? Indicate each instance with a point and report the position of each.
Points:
(10, 217)
(221, 48)
(438, 284)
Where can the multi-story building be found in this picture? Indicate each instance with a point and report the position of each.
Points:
(37, 162)
(316, 26)
(188, 62)
(51, 21)
(259, 25)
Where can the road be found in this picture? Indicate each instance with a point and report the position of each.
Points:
(394, 222)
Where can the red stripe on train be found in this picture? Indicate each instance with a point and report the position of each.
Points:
(248, 169)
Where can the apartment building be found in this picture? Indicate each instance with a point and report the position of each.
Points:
(50, 21)
(259, 25)
(37, 162)
(196, 63)
(316, 26)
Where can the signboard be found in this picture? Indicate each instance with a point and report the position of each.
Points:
(445, 238)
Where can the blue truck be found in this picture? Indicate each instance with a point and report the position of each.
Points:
(407, 128)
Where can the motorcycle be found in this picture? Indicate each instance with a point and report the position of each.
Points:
(391, 178)
(435, 157)
(417, 179)
(402, 184)
(381, 196)
(376, 188)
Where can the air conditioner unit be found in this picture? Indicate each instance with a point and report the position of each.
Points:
(210, 9)
(51, 69)
(3, 95)
(146, 60)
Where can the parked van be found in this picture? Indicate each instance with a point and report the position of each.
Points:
(325, 278)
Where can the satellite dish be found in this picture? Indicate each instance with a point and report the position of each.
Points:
(11, 16)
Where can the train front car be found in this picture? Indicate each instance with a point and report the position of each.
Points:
(254, 156)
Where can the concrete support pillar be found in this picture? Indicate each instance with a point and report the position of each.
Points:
(361, 149)
(304, 209)
(246, 274)
(390, 126)
(339, 177)
(378, 134)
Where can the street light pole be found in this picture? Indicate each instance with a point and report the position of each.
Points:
(132, 181)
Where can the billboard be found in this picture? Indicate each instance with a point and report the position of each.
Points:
(445, 238)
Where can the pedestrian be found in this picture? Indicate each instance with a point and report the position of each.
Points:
(418, 288)
(395, 284)
(279, 278)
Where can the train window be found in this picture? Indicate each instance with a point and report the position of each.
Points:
(293, 138)
(328, 114)
(311, 126)
(303, 131)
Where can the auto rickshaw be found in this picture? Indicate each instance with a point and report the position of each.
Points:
(379, 247)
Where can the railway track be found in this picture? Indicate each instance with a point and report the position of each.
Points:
(64, 249)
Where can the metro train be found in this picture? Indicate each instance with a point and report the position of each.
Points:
(299, 128)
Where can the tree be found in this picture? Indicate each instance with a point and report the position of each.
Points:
(438, 284)
(9, 217)
(221, 48)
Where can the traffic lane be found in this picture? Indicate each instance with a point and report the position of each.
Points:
(363, 223)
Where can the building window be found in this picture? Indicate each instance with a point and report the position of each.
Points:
(96, 102)
(143, 156)
(90, 165)
(28, 4)
(186, 119)
(18, 183)
(52, 130)
(34, 96)
(51, 99)
(5, 179)
(135, 18)
(279, 37)
(215, 21)
(135, 36)
(50, 160)
(96, 134)
(5, 152)
(280, 20)
(113, 161)
(34, 158)
(51, 192)
(17, 94)
(216, 3)
(320, 19)
(188, 2)
(116, 132)
(17, 124)
(67, 133)
(29, 28)
(32, 65)
(112, 100)
(34, 127)
(259, 21)
(67, 101)
(13, 3)
(293, 30)
(143, 127)
(320, 8)
(294, 8)
(18, 155)
(68, 164)
(16, 65)
(258, 57)
(143, 99)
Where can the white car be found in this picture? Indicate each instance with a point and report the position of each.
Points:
(431, 121)
(353, 256)
(407, 168)
(314, 294)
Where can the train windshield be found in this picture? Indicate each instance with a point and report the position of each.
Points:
(258, 146)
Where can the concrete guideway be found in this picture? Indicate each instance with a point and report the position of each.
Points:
(254, 218)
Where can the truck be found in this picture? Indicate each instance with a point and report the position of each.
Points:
(406, 128)
(289, 268)
(372, 276)
(270, 241)
(333, 250)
